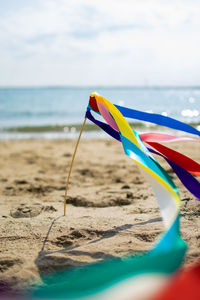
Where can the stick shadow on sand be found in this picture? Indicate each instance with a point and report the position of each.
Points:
(47, 263)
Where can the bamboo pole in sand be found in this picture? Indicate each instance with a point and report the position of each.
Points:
(71, 165)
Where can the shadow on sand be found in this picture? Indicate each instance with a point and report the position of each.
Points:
(48, 262)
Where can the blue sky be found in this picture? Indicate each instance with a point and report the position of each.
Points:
(104, 42)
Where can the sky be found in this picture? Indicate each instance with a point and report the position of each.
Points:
(103, 42)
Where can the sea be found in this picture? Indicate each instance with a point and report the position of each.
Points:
(57, 112)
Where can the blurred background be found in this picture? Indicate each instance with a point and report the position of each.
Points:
(54, 53)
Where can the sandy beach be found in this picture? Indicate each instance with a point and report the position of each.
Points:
(111, 210)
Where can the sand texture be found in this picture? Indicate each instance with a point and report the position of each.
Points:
(111, 210)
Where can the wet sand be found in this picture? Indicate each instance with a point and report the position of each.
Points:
(111, 210)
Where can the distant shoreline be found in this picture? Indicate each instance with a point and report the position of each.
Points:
(60, 132)
(63, 128)
(76, 127)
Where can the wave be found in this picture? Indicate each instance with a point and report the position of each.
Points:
(76, 127)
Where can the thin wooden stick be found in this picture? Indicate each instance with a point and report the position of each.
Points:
(70, 169)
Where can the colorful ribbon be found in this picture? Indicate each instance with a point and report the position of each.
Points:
(181, 164)
(95, 281)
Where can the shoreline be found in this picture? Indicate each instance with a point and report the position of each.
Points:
(71, 131)
(76, 127)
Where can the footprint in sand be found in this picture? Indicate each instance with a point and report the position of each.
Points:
(70, 238)
(78, 237)
(105, 201)
(147, 237)
(7, 263)
(50, 208)
(26, 211)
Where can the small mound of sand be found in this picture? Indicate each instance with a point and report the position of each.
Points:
(26, 211)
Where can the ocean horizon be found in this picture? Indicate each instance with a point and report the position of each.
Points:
(52, 112)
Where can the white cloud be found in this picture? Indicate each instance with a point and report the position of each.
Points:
(101, 42)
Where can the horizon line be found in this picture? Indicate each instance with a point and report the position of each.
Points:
(99, 86)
